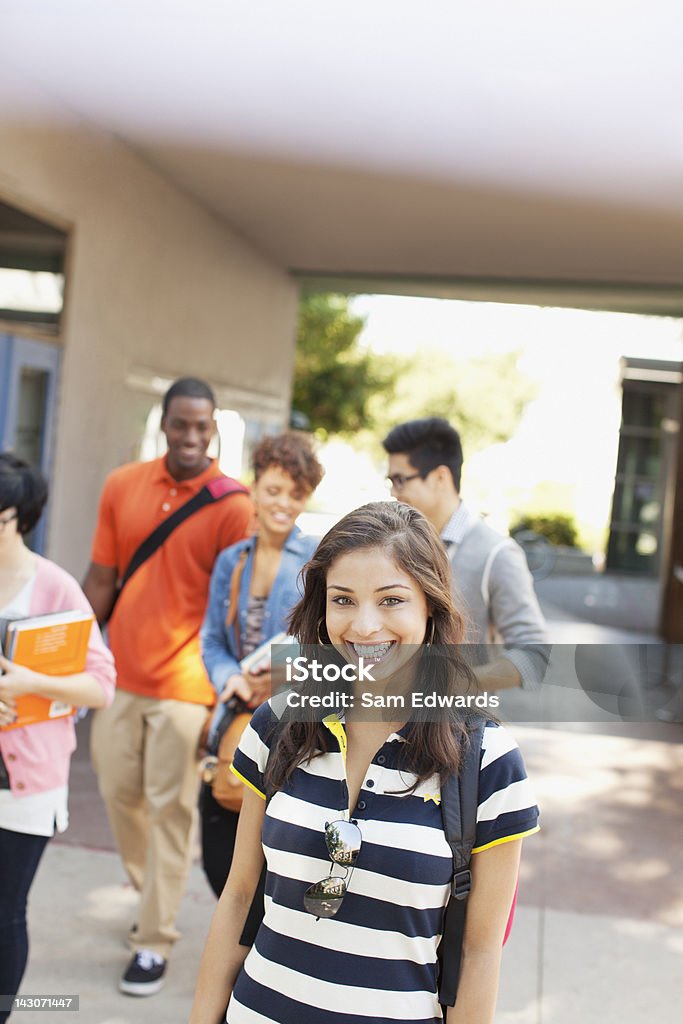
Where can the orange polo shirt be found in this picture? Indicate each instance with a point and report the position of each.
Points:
(154, 629)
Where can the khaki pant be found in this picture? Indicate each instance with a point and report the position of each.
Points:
(145, 754)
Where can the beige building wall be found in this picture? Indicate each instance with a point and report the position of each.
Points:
(157, 287)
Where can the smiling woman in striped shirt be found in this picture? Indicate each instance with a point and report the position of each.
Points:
(355, 941)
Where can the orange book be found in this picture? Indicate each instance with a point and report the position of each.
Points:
(55, 644)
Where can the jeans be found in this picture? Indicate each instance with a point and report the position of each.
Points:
(19, 856)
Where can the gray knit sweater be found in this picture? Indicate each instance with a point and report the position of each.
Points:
(491, 577)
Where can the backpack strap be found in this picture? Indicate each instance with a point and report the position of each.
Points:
(214, 490)
(459, 800)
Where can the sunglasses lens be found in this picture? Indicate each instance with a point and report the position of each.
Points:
(343, 840)
(325, 897)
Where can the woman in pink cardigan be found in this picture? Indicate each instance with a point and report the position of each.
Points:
(34, 761)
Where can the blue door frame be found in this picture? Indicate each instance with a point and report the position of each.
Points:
(17, 354)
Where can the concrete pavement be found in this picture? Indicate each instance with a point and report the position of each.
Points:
(598, 934)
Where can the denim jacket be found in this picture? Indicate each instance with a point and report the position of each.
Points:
(219, 641)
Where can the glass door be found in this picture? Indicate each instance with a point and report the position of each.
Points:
(28, 389)
(644, 466)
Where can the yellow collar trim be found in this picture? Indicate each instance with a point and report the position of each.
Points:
(336, 727)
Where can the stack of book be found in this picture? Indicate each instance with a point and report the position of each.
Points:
(55, 644)
(259, 659)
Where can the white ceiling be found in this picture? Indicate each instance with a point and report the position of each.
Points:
(437, 146)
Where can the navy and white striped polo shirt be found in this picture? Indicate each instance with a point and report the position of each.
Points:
(375, 962)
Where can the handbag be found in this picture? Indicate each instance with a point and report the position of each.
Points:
(226, 788)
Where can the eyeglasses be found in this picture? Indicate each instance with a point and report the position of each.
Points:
(343, 840)
(399, 480)
(9, 519)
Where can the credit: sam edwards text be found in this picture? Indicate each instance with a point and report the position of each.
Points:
(340, 700)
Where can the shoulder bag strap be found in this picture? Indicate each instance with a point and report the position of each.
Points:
(459, 799)
(214, 490)
(232, 618)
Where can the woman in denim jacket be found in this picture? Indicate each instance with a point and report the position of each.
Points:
(254, 586)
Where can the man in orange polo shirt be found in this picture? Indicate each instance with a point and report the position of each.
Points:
(144, 747)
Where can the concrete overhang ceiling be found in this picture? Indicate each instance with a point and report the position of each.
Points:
(510, 149)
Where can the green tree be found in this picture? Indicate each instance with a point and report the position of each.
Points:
(557, 527)
(483, 398)
(334, 379)
(344, 389)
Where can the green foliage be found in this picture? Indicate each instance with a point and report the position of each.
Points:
(346, 390)
(556, 527)
(483, 398)
(334, 379)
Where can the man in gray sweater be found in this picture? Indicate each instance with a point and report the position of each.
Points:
(490, 574)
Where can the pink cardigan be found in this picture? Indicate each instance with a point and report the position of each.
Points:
(37, 757)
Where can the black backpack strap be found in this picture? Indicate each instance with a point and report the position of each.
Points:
(459, 799)
(214, 490)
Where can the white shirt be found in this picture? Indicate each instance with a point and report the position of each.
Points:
(460, 523)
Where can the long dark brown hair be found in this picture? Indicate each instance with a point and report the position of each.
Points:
(408, 538)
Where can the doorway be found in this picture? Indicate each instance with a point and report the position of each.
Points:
(29, 372)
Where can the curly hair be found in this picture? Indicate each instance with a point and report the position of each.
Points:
(294, 454)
